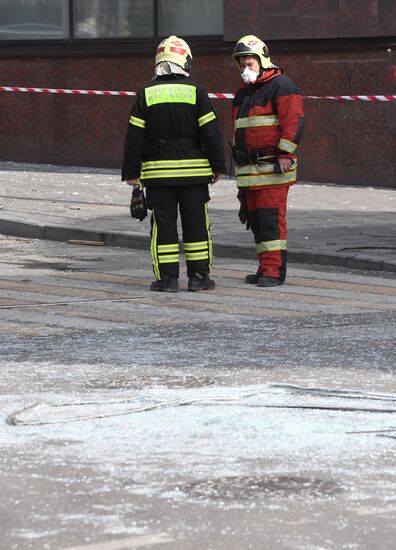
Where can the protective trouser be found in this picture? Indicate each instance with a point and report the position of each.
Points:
(192, 201)
(267, 215)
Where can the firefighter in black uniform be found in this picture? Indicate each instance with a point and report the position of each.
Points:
(173, 148)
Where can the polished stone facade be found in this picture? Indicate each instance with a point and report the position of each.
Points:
(344, 142)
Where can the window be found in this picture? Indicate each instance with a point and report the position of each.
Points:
(34, 19)
(189, 18)
(115, 19)
(108, 19)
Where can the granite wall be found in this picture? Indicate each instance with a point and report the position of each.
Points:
(345, 142)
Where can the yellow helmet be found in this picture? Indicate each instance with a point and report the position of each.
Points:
(176, 50)
(251, 45)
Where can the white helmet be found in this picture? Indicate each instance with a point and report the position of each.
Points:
(251, 45)
(176, 50)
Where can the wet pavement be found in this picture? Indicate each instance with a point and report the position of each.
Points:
(235, 418)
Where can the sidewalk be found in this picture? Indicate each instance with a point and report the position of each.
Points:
(327, 224)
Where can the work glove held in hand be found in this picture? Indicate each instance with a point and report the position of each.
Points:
(243, 213)
(138, 204)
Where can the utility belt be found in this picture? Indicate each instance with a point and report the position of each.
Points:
(257, 156)
(156, 147)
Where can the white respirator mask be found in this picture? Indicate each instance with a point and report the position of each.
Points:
(249, 76)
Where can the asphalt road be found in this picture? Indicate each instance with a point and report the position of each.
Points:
(237, 418)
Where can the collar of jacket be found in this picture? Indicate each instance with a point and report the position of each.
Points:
(170, 77)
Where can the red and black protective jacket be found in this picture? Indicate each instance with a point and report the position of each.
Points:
(268, 125)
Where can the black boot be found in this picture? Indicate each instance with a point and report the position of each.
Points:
(268, 281)
(252, 279)
(200, 282)
(171, 284)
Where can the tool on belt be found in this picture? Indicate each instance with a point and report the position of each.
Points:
(269, 159)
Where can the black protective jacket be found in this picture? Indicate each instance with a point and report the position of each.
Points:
(173, 136)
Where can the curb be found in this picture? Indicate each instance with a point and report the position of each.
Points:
(141, 242)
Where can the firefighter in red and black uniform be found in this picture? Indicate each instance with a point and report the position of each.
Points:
(268, 126)
(173, 148)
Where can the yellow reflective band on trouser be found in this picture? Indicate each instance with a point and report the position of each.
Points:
(210, 244)
(195, 246)
(263, 174)
(197, 250)
(168, 258)
(270, 246)
(194, 256)
(253, 121)
(168, 253)
(286, 145)
(164, 248)
(153, 246)
(170, 93)
(139, 122)
(206, 118)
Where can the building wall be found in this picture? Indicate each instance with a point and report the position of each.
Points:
(344, 142)
(309, 19)
(328, 47)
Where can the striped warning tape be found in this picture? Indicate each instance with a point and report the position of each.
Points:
(62, 91)
(354, 97)
(217, 95)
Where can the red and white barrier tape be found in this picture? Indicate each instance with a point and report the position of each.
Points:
(62, 91)
(217, 95)
(354, 97)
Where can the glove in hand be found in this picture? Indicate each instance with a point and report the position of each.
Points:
(243, 213)
(138, 204)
